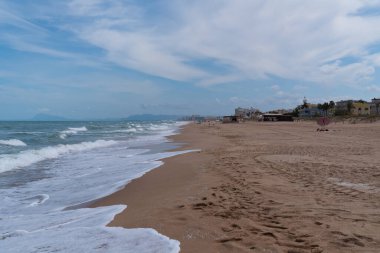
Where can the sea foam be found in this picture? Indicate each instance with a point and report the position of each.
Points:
(48, 214)
(71, 131)
(25, 158)
(12, 142)
(81, 230)
(39, 199)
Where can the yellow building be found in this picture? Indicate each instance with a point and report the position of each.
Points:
(360, 108)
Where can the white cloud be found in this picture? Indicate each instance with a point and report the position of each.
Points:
(142, 53)
(219, 79)
(25, 35)
(9, 18)
(21, 45)
(284, 98)
(373, 88)
(295, 39)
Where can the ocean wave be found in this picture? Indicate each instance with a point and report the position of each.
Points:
(129, 130)
(12, 142)
(71, 130)
(159, 127)
(28, 157)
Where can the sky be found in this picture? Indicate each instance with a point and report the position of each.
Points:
(112, 58)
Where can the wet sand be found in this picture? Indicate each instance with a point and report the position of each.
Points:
(263, 187)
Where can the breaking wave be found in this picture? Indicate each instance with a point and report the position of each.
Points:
(71, 131)
(25, 158)
(12, 142)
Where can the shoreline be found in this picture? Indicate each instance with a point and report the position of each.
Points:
(261, 187)
(144, 194)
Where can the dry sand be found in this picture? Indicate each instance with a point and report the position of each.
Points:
(263, 187)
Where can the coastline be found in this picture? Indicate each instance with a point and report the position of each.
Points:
(153, 198)
(262, 187)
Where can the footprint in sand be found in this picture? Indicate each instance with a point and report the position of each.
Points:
(368, 239)
(353, 240)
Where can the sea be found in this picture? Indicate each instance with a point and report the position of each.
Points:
(50, 171)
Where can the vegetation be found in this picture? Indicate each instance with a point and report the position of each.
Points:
(305, 104)
(296, 110)
(350, 106)
(331, 106)
(326, 106)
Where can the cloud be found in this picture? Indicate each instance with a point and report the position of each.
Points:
(373, 88)
(218, 79)
(296, 39)
(303, 40)
(282, 98)
(10, 19)
(142, 53)
(239, 100)
(276, 89)
(23, 45)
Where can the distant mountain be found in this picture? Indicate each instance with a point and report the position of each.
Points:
(152, 117)
(47, 117)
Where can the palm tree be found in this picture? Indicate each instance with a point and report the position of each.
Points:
(305, 104)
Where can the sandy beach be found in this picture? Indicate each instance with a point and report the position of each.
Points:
(263, 187)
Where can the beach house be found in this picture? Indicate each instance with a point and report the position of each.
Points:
(360, 108)
(343, 107)
(276, 117)
(245, 113)
(230, 119)
(311, 111)
(375, 107)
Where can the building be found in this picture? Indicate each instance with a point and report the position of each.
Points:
(276, 117)
(230, 119)
(341, 107)
(356, 107)
(360, 108)
(281, 111)
(245, 113)
(284, 111)
(375, 107)
(311, 111)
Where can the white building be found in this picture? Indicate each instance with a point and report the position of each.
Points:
(245, 113)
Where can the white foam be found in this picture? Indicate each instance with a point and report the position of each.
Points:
(39, 199)
(129, 130)
(28, 157)
(29, 223)
(71, 131)
(36, 216)
(162, 127)
(81, 230)
(12, 142)
(159, 127)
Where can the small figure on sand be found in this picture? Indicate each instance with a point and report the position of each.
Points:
(323, 122)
